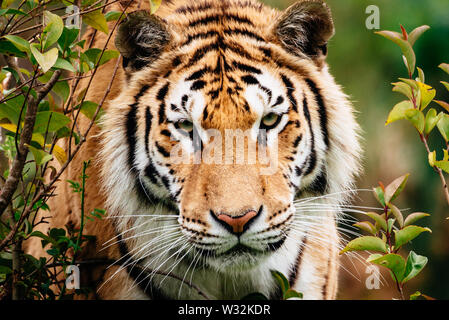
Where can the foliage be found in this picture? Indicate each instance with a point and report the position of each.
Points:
(287, 293)
(389, 232)
(418, 96)
(40, 104)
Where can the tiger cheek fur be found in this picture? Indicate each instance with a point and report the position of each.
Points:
(212, 66)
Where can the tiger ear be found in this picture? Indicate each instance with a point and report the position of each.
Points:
(141, 38)
(305, 27)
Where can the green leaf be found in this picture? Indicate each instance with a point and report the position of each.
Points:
(292, 294)
(403, 88)
(431, 120)
(68, 36)
(395, 188)
(19, 43)
(443, 165)
(394, 262)
(53, 28)
(379, 219)
(366, 243)
(9, 112)
(93, 56)
(421, 75)
(281, 280)
(40, 156)
(88, 108)
(154, 5)
(96, 20)
(7, 47)
(108, 55)
(379, 194)
(443, 126)
(62, 89)
(415, 295)
(397, 214)
(415, 264)
(45, 60)
(5, 270)
(4, 12)
(412, 83)
(405, 46)
(416, 34)
(390, 224)
(444, 67)
(427, 95)
(416, 117)
(51, 121)
(407, 234)
(113, 15)
(413, 217)
(366, 226)
(64, 64)
(398, 111)
(432, 158)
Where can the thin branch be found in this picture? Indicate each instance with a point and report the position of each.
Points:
(25, 139)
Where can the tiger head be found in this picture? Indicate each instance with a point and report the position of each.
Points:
(227, 115)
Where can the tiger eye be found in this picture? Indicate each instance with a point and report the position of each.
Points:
(270, 120)
(186, 125)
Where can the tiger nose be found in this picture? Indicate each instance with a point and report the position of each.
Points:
(236, 225)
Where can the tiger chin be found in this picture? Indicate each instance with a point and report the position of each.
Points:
(197, 67)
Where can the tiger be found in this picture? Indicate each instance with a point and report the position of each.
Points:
(196, 229)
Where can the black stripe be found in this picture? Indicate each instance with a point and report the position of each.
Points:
(214, 93)
(290, 89)
(201, 52)
(184, 100)
(162, 150)
(141, 93)
(311, 160)
(202, 35)
(297, 141)
(162, 93)
(250, 80)
(293, 276)
(246, 68)
(176, 61)
(151, 173)
(166, 133)
(204, 21)
(198, 85)
(131, 129)
(198, 74)
(279, 100)
(205, 113)
(319, 185)
(148, 119)
(238, 49)
(321, 110)
(161, 113)
(244, 33)
(215, 18)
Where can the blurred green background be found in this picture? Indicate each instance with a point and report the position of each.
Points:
(365, 64)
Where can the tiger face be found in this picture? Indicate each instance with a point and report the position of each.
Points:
(227, 115)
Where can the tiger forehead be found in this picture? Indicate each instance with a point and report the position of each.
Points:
(236, 99)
